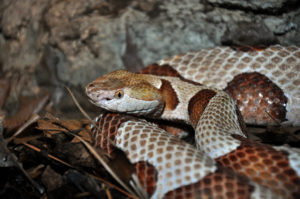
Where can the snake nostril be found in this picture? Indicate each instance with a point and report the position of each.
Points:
(89, 88)
(90, 85)
(98, 96)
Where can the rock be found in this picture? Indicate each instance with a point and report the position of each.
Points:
(274, 5)
(79, 40)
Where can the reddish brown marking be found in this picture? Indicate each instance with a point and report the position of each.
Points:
(179, 130)
(248, 48)
(169, 95)
(164, 70)
(147, 175)
(108, 126)
(259, 99)
(221, 184)
(175, 128)
(265, 165)
(198, 103)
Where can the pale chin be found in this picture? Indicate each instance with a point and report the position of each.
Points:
(96, 103)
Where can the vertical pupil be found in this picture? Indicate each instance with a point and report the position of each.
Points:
(119, 94)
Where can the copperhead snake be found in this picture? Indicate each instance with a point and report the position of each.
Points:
(258, 86)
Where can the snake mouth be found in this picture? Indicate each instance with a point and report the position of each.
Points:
(92, 101)
(98, 103)
(99, 100)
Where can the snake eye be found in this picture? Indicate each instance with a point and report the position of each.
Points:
(119, 94)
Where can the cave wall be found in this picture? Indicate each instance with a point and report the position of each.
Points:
(74, 41)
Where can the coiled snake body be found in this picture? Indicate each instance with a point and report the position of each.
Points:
(262, 84)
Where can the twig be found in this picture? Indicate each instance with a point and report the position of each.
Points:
(82, 195)
(49, 155)
(69, 165)
(87, 116)
(83, 111)
(78, 105)
(105, 165)
(108, 193)
(31, 120)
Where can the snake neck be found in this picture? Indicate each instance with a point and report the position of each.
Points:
(183, 101)
(188, 102)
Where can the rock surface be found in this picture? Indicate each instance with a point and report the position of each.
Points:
(73, 42)
(274, 6)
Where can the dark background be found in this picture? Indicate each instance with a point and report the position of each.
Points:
(51, 43)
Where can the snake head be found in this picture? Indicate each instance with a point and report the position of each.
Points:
(125, 92)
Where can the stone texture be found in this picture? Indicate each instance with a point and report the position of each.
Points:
(275, 5)
(79, 40)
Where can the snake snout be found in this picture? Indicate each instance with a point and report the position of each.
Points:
(89, 88)
(97, 96)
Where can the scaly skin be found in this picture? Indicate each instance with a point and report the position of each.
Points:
(217, 67)
(214, 116)
(167, 167)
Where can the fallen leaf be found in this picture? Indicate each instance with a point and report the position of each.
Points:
(28, 108)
